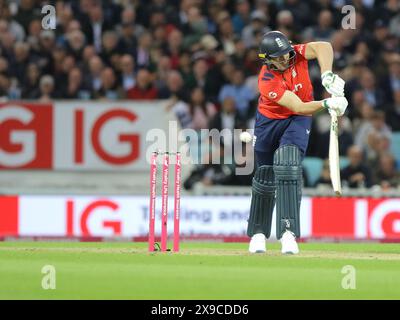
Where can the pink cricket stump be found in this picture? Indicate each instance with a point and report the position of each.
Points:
(153, 174)
(177, 199)
(164, 200)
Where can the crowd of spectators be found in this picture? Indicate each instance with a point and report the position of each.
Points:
(201, 55)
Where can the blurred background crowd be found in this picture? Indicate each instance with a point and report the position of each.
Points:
(201, 56)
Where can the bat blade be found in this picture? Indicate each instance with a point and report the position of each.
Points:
(334, 156)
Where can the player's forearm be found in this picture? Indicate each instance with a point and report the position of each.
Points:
(308, 108)
(324, 55)
(293, 102)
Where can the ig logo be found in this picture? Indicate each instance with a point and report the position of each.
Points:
(49, 20)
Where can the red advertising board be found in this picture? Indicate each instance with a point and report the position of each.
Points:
(26, 136)
(77, 135)
(206, 217)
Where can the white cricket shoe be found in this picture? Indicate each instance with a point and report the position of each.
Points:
(289, 244)
(257, 243)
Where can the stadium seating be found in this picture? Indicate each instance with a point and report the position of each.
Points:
(343, 162)
(395, 147)
(313, 168)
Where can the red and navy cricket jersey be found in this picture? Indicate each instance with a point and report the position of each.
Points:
(272, 85)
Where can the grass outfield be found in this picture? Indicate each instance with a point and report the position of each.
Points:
(199, 271)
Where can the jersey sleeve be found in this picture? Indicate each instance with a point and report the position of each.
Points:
(270, 87)
(300, 49)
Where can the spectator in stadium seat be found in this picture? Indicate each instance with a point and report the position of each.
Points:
(75, 88)
(385, 174)
(375, 125)
(228, 117)
(128, 41)
(20, 61)
(356, 174)
(395, 24)
(75, 43)
(12, 25)
(258, 23)
(73, 25)
(7, 41)
(157, 18)
(352, 72)
(393, 112)
(35, 27)
(226, 35)
(355, 103)
(109, 89)
(43, 55)
(251, 61)
(242, 15)
(298, 9)
(61, 75)
(144, 88)
(65, 15)
(201, 111)
(174, 88)
(323, 31)
(93, 79)
(30, 87)
(185, 65)
(26, 13)
(239, 54)
(285, 24)
(130, 29)
(379, 36)
(218, 74)
(142, 59)
(338, 41)
(4, 66)
(362, 49)
(212, 10)
(391, 81)
(198, 77)
(88, 53)
(173, 47)
(4, 87)
(159, 37)
(128, 74)
(386, 10)
(378, 144)
(164, 67)
(109, 46)
(372, 93)
(94, 25)
(194, 28)
(324, 181)
(363, 116)
(238, 90)
(210, 49)
(47, 89)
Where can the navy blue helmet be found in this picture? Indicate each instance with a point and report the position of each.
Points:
(273, 45)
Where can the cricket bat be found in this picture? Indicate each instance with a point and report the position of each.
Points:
(334, 155)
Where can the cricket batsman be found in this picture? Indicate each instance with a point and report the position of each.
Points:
(282, 129)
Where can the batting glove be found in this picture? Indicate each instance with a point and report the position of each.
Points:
(333, 83)
(335, 104)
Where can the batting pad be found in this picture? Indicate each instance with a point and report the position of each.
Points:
(262, 202)
(288, 180)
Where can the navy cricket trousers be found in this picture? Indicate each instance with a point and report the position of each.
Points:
(270, 134)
